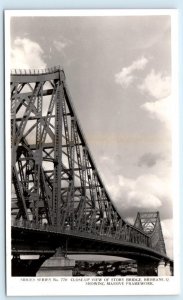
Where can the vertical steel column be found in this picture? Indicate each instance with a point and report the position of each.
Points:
(57, 154)
(72, 172)
(38, 155)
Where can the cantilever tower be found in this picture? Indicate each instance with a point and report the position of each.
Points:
(55, 183)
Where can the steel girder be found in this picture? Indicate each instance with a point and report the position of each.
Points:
(55, 183)
(150, 223)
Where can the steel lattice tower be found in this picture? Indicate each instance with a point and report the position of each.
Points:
(55, 183)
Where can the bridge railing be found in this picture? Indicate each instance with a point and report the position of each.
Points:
(131, 235)
(35, 71)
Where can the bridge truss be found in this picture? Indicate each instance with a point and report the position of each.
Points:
(55, 183)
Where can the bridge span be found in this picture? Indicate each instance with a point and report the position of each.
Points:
(59, 202)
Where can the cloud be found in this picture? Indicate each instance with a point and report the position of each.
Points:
(149, 159)
(143, 199)
(150, 191)
(156, 85)
(147, 191)
(130, 220)
(61, 44)
(160, 110)
(26, 54)
(167, 229)
(126, 77)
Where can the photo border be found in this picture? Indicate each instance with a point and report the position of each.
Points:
(175, 191)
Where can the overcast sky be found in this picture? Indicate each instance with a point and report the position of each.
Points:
(118, 70)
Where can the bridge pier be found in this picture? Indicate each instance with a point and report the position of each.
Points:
(153, 268)
(57, 265)
(147, 268)
(164, 269)
(168, 270)
(25, 267)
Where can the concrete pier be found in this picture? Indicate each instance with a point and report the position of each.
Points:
(57, 265)
(161, 268)
(168, 270)
(164, 269)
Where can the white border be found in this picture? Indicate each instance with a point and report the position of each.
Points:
(90, 12)
(171, 285)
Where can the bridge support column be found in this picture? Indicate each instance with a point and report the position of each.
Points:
(168, 269)
(164, 269)
(57, 265)
(26, 267)
(161, 268)
(146, 268)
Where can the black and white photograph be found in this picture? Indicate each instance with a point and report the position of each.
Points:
(91, 152)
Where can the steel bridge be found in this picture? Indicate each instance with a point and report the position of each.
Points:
(58, 197)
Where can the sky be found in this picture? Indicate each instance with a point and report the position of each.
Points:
(118, 70)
